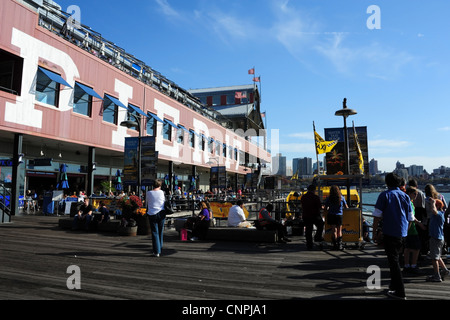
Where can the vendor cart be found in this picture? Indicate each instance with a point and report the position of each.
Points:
(352, 222)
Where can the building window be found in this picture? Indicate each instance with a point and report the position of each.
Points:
(167, 131)
(241, 158)
(201, 142)
(191, 139)
(211, 145)
(82, 101)
(11, 68)
(133, 115)
(218, 144)
(224, 150)
(230, 99)
(47, 90)
(110, 110)
(180, 136)
(151, 127)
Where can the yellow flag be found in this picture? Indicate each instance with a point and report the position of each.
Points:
(295, 176)
(323, 146)
(358, 151)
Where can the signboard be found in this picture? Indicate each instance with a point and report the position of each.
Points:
(6, 162)
(149, 161)
(41, 162)
(218, 177)
(131, 156)
(335, 160)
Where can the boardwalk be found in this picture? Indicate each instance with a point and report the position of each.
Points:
(35, 255)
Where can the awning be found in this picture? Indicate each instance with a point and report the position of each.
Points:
(190, 130)
(171, 123)
(138, 110)
(154, 116)
(182, 127)
(89, 91)
(116, 101)
(55, 77)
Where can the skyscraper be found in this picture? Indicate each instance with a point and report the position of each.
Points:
(279, 165)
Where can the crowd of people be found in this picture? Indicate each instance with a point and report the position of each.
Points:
(408, 222)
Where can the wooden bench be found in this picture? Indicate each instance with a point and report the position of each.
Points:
(234, 234)
(241, 234)
(110, 226)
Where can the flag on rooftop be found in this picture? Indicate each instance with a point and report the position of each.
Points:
(251, 71)
(257, 79)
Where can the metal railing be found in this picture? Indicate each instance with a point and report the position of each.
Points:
(5, 204)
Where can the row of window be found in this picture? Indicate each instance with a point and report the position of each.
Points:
(47, 91)
(232, 98)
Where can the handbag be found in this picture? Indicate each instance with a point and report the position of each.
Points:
(168, 209)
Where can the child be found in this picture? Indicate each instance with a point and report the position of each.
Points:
(436, 231)
(412, 244)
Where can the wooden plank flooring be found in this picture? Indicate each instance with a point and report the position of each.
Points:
(35, 255)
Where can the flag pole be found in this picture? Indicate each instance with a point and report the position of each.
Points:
(315, 148)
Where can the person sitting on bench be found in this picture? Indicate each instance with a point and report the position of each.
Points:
(236, 216)
(266, 221)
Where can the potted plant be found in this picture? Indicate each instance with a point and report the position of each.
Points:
(130, 207)
(134, 214)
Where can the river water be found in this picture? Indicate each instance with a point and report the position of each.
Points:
(371, 198)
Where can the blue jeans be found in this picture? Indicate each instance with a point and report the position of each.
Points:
(157, 227)
(78, 219)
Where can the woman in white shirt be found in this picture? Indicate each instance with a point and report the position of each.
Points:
(155, 206)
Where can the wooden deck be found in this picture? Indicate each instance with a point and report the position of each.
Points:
(35, 255)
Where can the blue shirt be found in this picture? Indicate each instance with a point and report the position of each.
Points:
(394, 206)
(436, 226)
(337, 209)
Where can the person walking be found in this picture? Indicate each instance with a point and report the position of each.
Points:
(436, 229)
(412, 241)
(311, 215)
(155, 212)
(334, 205)
(393, 206)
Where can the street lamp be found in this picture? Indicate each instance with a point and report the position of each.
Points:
(132, 124)
(345, 112)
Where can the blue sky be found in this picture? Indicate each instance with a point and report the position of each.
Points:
(310, 55)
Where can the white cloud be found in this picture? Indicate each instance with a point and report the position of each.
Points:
(303, 35)
(302, 135)
(389, 144)
(285, 148)
(167, 9)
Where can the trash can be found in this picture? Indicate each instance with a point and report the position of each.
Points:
(48, 205)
